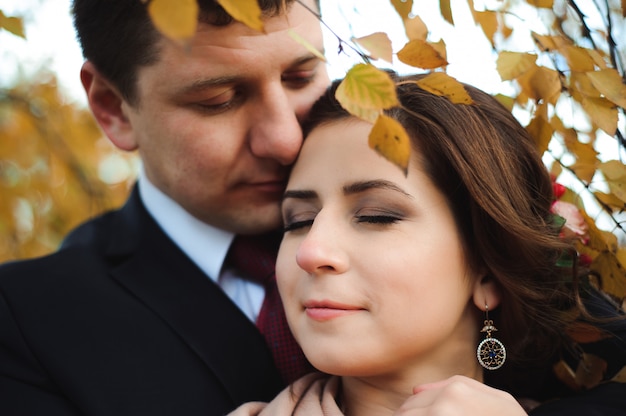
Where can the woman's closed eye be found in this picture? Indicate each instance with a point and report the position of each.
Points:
(378, 219)
(297, 225)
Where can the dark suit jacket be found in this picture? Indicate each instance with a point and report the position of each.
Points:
(120, 322)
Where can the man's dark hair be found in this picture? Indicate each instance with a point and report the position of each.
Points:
(118, 37)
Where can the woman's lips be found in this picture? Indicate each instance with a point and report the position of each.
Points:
(325, 310)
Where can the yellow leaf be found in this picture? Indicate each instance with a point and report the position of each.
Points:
(488, 21)
(14, 25)
(545, 42)
(176, 19)
(613, 273)
(541, 83)
(540, 129)
(415, 28)
(247, 12)
(302, 41)
(620, 377)
(545, 4)
(609, 83)
(580, 83)
(421, 54)
(446, 11)
(444, 85)
(586, 158)
(511, 65)
(366, 91)
(378, 45)
(610, 200)
(403, 7)
(615, 173)
(506, 101)
(602, 112)
(389, 138)
(578, 58)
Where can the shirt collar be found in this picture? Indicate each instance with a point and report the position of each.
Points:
(204, 244)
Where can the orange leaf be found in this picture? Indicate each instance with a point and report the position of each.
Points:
(14, 25)
(389, 138)
(545, 4)
(247, 12)
(444, 85)
(511, 65)
(488, 21)
(378, 45)
(586, 333)
(366, 91)
(415, 28)
(609, 83)
(403, 7)
(176, 19)
(421, 54)
(446, 11)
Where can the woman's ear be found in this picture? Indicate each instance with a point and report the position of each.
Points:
(106, 104)
(487, 293)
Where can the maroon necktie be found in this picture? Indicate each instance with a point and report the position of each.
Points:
(255, 258)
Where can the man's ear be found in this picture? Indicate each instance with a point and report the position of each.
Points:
(106, 102)
(487, 293)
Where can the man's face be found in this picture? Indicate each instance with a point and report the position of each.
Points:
(217, 124)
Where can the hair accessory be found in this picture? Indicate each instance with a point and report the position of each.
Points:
(491, 353)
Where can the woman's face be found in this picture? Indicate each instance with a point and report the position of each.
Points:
(371, 269)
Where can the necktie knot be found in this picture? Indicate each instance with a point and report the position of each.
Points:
(254, 256)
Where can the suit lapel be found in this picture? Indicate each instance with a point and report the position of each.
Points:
(161, 276)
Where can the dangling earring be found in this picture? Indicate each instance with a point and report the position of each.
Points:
(491, 353)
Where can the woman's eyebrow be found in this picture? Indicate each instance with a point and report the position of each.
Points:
(299, 194)
(358, 187)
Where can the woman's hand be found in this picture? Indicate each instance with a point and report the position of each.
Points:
(459, 395)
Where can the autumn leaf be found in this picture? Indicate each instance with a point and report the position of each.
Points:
(444, 85)
(611, 201)
(366, 91)
(309, 47)
(541, 83)
(578, 58)
(511, 65)
(446, 11)
(247, 12)
(545, 4)
(378, 45)
(14, 25)
(488, 22)
(590, 371)
(422, 54)
(415, 28)
(389, 138)
(176, 19)
(602, 112)
(613, 273)
(403, 7)
(580, 83)
(620, 377)
(540, 129)
(615, 174)
(609, 83)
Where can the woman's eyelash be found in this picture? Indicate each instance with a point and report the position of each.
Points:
(297, 225)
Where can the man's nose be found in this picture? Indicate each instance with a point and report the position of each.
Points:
(275, 132)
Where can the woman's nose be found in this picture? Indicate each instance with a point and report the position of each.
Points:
(322, 251)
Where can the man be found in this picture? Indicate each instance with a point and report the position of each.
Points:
(132, 315)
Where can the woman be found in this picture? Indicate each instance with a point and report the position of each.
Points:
(436, 279)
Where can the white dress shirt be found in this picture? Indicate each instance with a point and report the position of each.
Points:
(205, 245)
